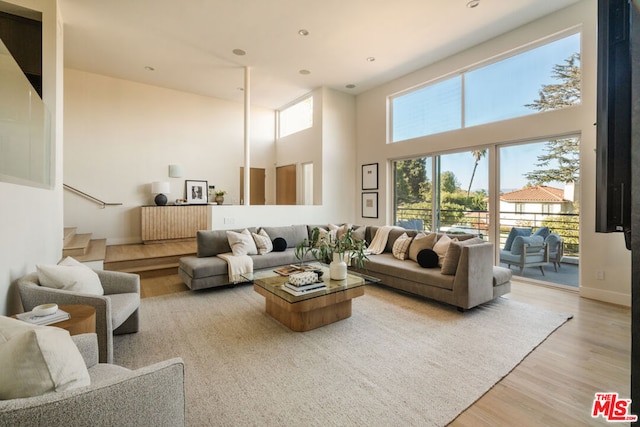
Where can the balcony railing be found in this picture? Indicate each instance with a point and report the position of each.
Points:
(477, 222)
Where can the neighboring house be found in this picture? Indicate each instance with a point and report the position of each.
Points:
(534, 204)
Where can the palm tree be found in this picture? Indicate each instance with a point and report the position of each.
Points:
(477, 155)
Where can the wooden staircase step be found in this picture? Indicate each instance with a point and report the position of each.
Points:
(69, 232)
(96, 251)
(78, 245)
(133, 265)
(152, 260)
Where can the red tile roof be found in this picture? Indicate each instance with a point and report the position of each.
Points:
(537, 194)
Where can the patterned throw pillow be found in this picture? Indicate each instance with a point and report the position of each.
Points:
(401, 246)
(263, 242)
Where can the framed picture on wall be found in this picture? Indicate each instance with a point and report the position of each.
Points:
(370, 176)
(196, 192)
(369, 205)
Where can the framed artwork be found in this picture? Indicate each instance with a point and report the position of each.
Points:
(370, 176)
(369, 205)
(196, 192)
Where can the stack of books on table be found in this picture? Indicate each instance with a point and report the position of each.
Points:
(303, 283)
(56, 317)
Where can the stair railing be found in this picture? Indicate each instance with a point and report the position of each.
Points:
(90, 197)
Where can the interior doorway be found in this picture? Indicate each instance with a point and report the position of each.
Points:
(256, 188)
(286, 185)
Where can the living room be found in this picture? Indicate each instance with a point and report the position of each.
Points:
(113, 137)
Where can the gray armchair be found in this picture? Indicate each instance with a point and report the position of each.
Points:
(149, 396)
(116, 310)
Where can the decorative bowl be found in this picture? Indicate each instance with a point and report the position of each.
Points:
(44, 310)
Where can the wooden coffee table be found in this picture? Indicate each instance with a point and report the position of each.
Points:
(313, 310)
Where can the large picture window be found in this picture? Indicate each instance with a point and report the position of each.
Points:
(501, 90)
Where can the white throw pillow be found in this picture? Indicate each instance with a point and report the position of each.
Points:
(70, 275)
(263, 242)
(401, 246)
(37, 360)
(242, 243)
(441, 247)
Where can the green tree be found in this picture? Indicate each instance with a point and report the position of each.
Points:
(477, 156)
(564, 93)
(448, 182)
(566, 151)
(411, 180)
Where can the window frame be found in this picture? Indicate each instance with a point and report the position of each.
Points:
(478, 65)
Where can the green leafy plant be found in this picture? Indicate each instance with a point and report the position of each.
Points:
(324, 247)
(220, 193)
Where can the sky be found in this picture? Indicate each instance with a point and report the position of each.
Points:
(493, 92)
(512, 168)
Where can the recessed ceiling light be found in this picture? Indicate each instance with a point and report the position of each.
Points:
(149, 68)
(305, 72)
(239, 52)
(350, 86)
(371, 59)
(303, 32)
(473, 3)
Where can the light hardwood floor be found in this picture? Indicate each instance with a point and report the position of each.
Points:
(556, 383)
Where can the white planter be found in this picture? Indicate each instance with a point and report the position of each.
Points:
(338, 268)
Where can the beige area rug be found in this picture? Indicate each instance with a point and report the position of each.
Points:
(398, 361)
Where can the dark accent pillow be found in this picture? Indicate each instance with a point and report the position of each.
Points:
(427, 258)
(279, 244)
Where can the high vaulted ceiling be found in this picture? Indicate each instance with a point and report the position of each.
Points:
(189, 44)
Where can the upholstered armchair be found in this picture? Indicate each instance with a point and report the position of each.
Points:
(525, 250)
(116, 310)
(117, 396)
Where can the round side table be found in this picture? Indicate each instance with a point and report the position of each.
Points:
(82, 320)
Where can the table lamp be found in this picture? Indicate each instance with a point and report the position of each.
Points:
(159, 188)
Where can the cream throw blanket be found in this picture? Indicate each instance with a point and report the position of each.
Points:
(379, 240)
(237, 265)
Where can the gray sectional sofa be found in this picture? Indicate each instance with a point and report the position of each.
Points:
(206, 270)
(476, 279)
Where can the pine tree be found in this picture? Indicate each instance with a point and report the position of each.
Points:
(566, 151)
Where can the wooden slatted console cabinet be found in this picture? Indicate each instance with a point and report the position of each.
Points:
(173, 222)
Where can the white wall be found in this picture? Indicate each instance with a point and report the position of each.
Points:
(330, 144)
(306, 146)
(121, 136)
(31, 218)
(599, 252)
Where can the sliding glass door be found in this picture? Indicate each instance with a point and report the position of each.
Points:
(538, 184)
(538, 188)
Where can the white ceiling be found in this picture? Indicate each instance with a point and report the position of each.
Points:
(189, 43)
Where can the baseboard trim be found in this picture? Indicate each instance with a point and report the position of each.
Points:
(606, 296)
